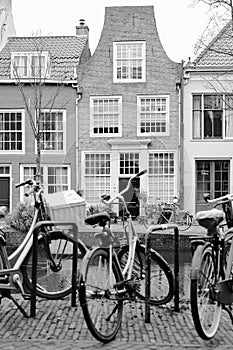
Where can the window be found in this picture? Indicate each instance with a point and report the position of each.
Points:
(29, 65)
(11, 131)
(106, 116)
(53, 128)
(212, 176)
(161, 176)
(97, 176)
(129, 62)
(129, 163)
(212, 116)
(55, 178)
(153, 115)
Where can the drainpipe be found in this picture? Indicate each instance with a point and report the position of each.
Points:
(79, 97)
(181, 103)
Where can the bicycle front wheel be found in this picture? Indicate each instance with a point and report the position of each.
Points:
(54, 272)
(161, 281)
(206, 310)
(100, 298)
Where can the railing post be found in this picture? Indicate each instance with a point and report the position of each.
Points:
(176, 270)
(74, 272)
(147, 278)
(34, 272)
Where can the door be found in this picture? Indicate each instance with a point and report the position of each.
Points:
(211, 177)
(5, 191)
(130, 196)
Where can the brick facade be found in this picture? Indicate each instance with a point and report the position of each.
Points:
(122, 24)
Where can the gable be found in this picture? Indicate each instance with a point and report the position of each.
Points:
(219, 51)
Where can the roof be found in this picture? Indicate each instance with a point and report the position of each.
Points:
(219, 52)
(64, 51)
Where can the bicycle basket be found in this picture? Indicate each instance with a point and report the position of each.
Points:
(66, 206)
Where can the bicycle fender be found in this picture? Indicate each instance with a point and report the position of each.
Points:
(155, 252)
(197, 259)
(70, 238)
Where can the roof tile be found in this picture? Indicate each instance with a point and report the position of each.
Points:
(64, 51)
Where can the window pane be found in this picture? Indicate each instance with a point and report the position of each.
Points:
(97, 176)
(161, 177)
(11, 133)
(53, 133)
(106, 116)
(129, 61)
(153, 115)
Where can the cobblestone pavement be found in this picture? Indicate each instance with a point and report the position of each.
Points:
(58, 326)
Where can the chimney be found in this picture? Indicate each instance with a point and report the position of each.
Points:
(82, 29)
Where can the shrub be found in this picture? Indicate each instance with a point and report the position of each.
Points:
(21, 217)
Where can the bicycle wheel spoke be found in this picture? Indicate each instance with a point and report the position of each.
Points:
(205, 309)
(161, 277)
(54, 271)
(101, 303)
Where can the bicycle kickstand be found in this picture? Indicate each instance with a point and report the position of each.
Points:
(9, 296)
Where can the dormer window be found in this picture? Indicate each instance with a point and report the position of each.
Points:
(129, 62)
(29, 65)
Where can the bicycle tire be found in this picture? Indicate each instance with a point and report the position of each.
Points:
(101, 303)
(161, 281)
(206, 311)
(228, 239)
(184, 220)
(51, 283)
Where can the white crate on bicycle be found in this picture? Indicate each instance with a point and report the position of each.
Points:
(66, 206)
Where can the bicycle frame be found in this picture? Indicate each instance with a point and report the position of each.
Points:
(132, 235)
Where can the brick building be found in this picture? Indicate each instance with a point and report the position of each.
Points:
(128, 115)
(44, 67)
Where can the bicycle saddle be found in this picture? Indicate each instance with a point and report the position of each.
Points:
(98, 218)
(210, 219)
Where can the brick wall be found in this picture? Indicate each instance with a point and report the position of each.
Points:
(96, 77)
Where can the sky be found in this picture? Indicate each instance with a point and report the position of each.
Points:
(178, 24)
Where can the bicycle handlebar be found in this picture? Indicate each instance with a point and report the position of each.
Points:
(27, 182)
(227, 197)
(119, 195)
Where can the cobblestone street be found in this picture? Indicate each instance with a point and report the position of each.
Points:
(59, 326)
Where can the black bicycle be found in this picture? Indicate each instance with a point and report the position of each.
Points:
(211, 288)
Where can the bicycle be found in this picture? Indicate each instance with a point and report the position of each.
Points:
(164, 213)
(110, 276)
(211, 288)
(171, 213)
(55, 249)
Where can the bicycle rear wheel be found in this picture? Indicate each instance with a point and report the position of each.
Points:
(183, 219)
(161, 281)
(54, 281)
(100, 299)
(206, 311)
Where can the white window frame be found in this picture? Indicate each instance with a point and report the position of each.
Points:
(167, 114)
(163, 176)
(201, 125)
(119, 98)
(63, 150)
(96, 186)
(22, 111)
(45, 176)
(142, 58)
(29, 56)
